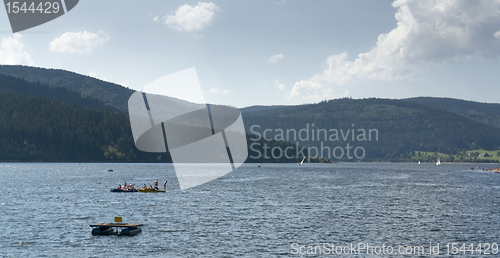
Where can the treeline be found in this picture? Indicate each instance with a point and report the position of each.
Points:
(488, 113)
(36, 129)
(110, 94)
(56, 115)
(402, 127)
(13, 85)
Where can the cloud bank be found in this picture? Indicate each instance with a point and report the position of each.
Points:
(427, 32)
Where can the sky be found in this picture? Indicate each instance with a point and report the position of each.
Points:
(276, 52)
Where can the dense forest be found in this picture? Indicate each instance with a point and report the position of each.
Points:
(110, 94)
(10, 84)
(36, 129)
(403, 128)
(56, 115)
(488, 113)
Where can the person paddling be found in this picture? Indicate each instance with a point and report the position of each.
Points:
(165, 185)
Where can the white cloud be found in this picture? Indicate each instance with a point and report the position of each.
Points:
(279, 85)
(78, 42)
(156, 19)
(217, 91)
(497, 34)
(427, 32)
(312, 91)
(276, 58)
(13, 53)
(191, 18)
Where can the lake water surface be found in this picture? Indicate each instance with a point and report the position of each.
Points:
(46, 209)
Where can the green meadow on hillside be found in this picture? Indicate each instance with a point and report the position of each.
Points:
(470, 156)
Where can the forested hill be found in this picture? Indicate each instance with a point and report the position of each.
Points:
(46, 123)
(488, 113)
(45, 118)
(41, 129)
(257, 110)
(403, 127)
(114, 95)
(108, 93)
(37, 129)
(13, 85)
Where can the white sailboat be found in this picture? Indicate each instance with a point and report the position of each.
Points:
(438, 163)
(419, 162)
(302, 161)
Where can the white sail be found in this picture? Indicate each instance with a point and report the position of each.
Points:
(438, 162)
(302, 161)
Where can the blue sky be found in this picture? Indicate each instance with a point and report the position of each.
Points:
(276, 52)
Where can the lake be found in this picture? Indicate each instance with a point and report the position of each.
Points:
(275, 210)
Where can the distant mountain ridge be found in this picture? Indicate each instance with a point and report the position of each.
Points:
(47, 124)
(488, 113)
(39, 129)
(13, 85)
(114, 95)
(257, 110)
(404, 127)
(108, 93)
(448, 126)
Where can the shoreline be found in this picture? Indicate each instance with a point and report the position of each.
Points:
(336, 162)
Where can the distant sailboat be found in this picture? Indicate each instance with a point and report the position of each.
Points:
(302, 161)
(419, 162)
(438, 163)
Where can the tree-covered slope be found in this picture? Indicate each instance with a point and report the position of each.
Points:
(419, 124)
(402, 127)
(110, 94)
(488, 113)
(257, 110)
(40, 129)
(36, 129)
(13, 85)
